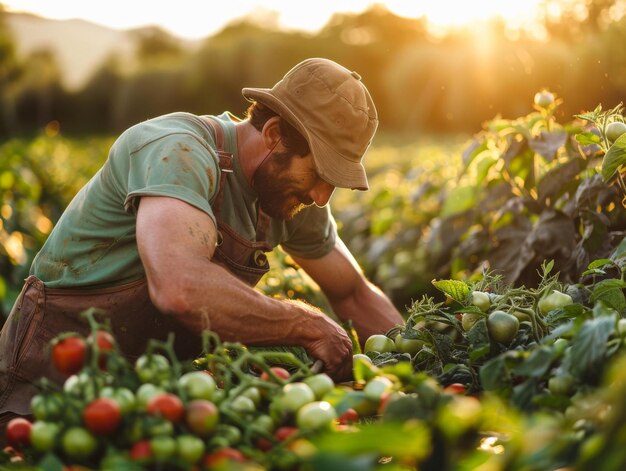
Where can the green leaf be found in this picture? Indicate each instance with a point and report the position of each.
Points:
(459, 199)
(610, 292)
(537, 363)
(614, 158)
(494, 375)
(411, 439)
(457, 290)
(335, 462)
(598, 263)
(588, 138)
(589, 346)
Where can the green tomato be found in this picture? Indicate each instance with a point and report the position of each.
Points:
(227, 433)
(481, 300)
(47, 406)
(163, 447)
(189, 448)
(242, 405)
(554, 300)
(197, 385)
(544, 99)
(379, 343)
(295, 395)
(502, 327)
(614, 130)
(254, 394)
(561, 385)
(377, 387)
(361, 357)
(315, 415)
(468, 319)
(405, 345)
(321, 384)
(154, 368)
(265, 423)
(621, 327)
(43, 435)
(78, 442)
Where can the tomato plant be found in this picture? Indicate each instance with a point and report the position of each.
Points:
(105, 344)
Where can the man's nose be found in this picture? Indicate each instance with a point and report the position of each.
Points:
(321, 193)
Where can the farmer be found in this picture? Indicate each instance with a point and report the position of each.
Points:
(171, 234)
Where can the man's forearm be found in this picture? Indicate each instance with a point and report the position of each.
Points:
(370, 311)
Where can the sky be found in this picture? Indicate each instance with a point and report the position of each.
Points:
(196, 19)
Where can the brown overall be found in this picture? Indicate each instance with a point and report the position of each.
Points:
(39, 313)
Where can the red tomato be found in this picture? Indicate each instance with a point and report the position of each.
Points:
(284, 432)
(18, 432)
(167, 405)
(141, 450)
(102, 416)
(264, 444)
(279, 372)
(68, 354)
(348, 417)
(106, 344)
(223, 455)
(455, 388)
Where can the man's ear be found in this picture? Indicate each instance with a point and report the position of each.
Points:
(271, 132)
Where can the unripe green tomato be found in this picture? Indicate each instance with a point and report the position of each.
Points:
(295, 395)
(410, 346)
(197, 385)
(481, 300)
(321, 384)
(376, 387)
(554, 300)
(544, 99)
(163, 447)
(43, 435)
(153, 368)
(614, 130)
(379, 343)
(77, 442)
(561, 385)
(315, 415)
(123, 396)
(468, 320)
(189, 448)
(361, 357)
(253, 394)
(242, 405)
(145, 392)
(502, 327)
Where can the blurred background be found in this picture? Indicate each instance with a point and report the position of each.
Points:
(443, 202)
(430, 68)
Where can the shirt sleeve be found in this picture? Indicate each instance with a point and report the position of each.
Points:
(312, 233)
(177, 165)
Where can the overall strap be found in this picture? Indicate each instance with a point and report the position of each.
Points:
(226, 165)
(225, 161)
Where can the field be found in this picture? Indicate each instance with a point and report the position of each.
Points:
(504, 251)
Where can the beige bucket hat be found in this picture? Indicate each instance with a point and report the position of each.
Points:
(333, 110)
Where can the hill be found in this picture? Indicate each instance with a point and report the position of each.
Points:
(79, 46)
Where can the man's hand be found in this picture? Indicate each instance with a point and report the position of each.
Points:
(327, 341)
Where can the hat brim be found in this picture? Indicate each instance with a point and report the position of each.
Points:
(349, 174)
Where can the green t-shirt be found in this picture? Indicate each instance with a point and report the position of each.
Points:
(93, 244)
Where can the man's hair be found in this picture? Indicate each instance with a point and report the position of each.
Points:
(294, 142)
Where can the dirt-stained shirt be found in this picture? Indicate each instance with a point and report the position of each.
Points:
(93, 244)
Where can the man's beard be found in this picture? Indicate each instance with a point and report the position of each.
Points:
(278, 196)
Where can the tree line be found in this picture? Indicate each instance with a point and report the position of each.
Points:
(420, 84)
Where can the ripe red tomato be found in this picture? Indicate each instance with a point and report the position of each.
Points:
(222, 456)
(455, 388)
(167, 405)
(18, 432)
(280, 373)
(105, 342)
(141, 451)
(102, 416)
(348, 417)
(68, 354)
(284, 432)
